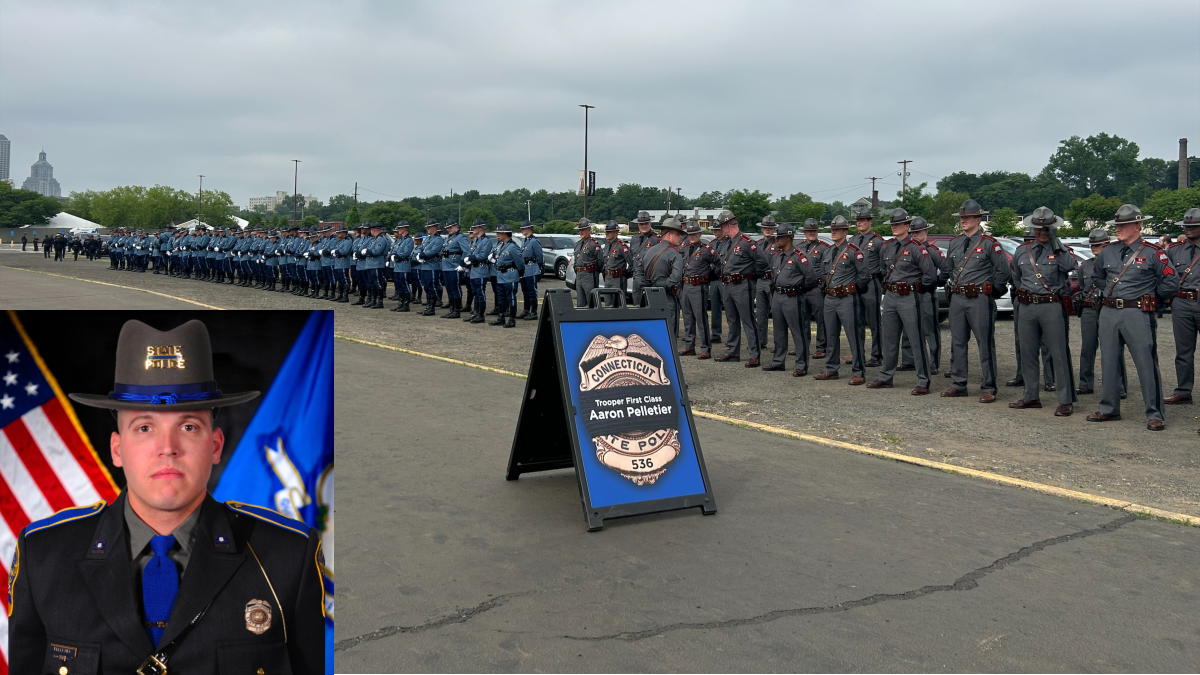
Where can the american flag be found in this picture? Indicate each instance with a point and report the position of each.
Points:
(46, 461)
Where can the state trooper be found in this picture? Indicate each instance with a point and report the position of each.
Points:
(929, 304)
(429, 259)
(455, 247)
(979, 275)
(257, 245)
(371, 259)
(312, 265)
(531, 252)
(701, 264)
(242, 251)
(1047, 360)
(846, 278)
(291, 260)
(200, 252)
(401, 258)
(160, 250)
(218, 256)
(588, 261)
(1185, 307)
(478, 259)
(664, 269)
(908, 269)
(814, 299)
(166, 573)
(792, 273)
(185, 254)
(618, 261)
(869, 242)
(228, 246)
(356, 285)
(1087, 308)
(639, 243)
(762, 292)
(1041, 275)
(328, 291)
(414, 276)
(271, 253)
(1135, 276)
(510, 265)
(741, 263)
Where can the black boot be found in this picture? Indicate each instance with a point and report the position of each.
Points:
(531, 310)
(494, 310)
(399, 303)
(362, 295)
(429, 308)
(501, 315)
(377, 303)
(512, 316)
(453, 313)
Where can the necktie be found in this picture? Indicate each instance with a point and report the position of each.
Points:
(160, 585)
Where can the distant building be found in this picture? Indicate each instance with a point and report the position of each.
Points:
(706, 217)
(5, 150)
(41, 178)
(269, 203)
(866, 201)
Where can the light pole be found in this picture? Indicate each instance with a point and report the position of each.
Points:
(295, 189)
(529, 210)
(586, 110)
(904, 179)
(200, 200)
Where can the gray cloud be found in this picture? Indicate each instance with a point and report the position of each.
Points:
(420, 98)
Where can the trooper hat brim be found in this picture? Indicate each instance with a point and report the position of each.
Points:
(977, 214)
(96, 401)
(1132, 221)
(1028, 222)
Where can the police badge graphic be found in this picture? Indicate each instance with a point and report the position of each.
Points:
(629, 407)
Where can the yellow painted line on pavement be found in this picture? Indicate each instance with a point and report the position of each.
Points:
(105, 283)
(1121, 504)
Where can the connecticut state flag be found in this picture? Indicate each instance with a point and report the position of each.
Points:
(284, 460)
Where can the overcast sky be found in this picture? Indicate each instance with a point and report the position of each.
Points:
(421, 98)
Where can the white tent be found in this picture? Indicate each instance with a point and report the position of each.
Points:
(67, 223)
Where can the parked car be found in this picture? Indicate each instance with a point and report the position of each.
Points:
(557, 250)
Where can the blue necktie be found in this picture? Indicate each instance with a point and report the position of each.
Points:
(160, 585)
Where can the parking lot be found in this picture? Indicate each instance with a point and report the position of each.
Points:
(1117, 459)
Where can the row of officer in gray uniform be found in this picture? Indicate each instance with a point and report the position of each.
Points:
(841, 288)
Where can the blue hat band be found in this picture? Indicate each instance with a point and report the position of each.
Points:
(165, 394)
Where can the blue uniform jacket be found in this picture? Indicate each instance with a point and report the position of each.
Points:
(401, 254)
(532, 253)
(456, 247)
(510, 264)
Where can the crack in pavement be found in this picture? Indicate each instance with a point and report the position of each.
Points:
(966, 582)
(462, 616)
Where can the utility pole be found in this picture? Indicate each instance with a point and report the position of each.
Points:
(200, 201)
(668, 200)
(356, 193)
(296, 189)
(679, 193)
(586, 175)
(904, 177)
(529, 210)
(874, 194)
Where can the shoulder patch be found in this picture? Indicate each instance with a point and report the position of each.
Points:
(997, 249)
(269, 515)
(858, 256)
(65, 516)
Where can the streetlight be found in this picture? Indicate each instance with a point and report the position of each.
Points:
(200, 200)
(529, 208)
(295, 189)
(586, 110)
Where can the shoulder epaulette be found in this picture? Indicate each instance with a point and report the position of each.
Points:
(269, 515)
(850, 244)
(1175, 243)
(1152, 245)
(65, 516)
(987, 236)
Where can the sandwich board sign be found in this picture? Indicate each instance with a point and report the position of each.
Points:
(605, 396)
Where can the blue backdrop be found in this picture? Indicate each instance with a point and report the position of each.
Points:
(606, 487)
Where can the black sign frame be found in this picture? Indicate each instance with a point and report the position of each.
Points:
(546, 437)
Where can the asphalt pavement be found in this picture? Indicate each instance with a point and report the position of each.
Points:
(818, 559)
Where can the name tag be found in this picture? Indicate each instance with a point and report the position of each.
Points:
(1139, 260)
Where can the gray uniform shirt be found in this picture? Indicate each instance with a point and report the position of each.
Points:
(741, 255)
(617, 256)
(140, 552)
(664, 266)
(1149, 271)
(977, 259)
(1181, 257)
(869, 243)
(793, 268)
(588, 252)
(844, 265)
(908, 261)
(1033, 259)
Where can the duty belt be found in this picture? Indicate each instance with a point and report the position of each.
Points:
(785, 290)
(903, 287)
(736, 278)
(1094, 304)
(1122, 303)
(973, 290)
(842, 290)
(590, 267)
(1029, 298)
(696, 281)
(1188, 295)
(616, 274)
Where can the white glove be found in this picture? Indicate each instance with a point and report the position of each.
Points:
(466, 262)
(364, 251)
(460, 268)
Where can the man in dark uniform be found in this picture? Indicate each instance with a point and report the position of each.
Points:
(1047, 360)
(457, 245)
(588, 260)
(814, 299)
(531, 251)
(741, 263)
(166, 577)
(618, 262)
(929, 304)
(869, 243)
(1135, 276)
(1041, 274)
(664, 269)
(700, 264)
(978, 276)
(638, 243)
(846, 277)
(908, 271)
(1087, 308)
(792, 274)
(1185, 307)
(762, 291)
(24, 241)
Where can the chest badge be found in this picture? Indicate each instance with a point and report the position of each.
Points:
(258, 616)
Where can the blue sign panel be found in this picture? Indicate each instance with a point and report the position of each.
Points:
(633, 433)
